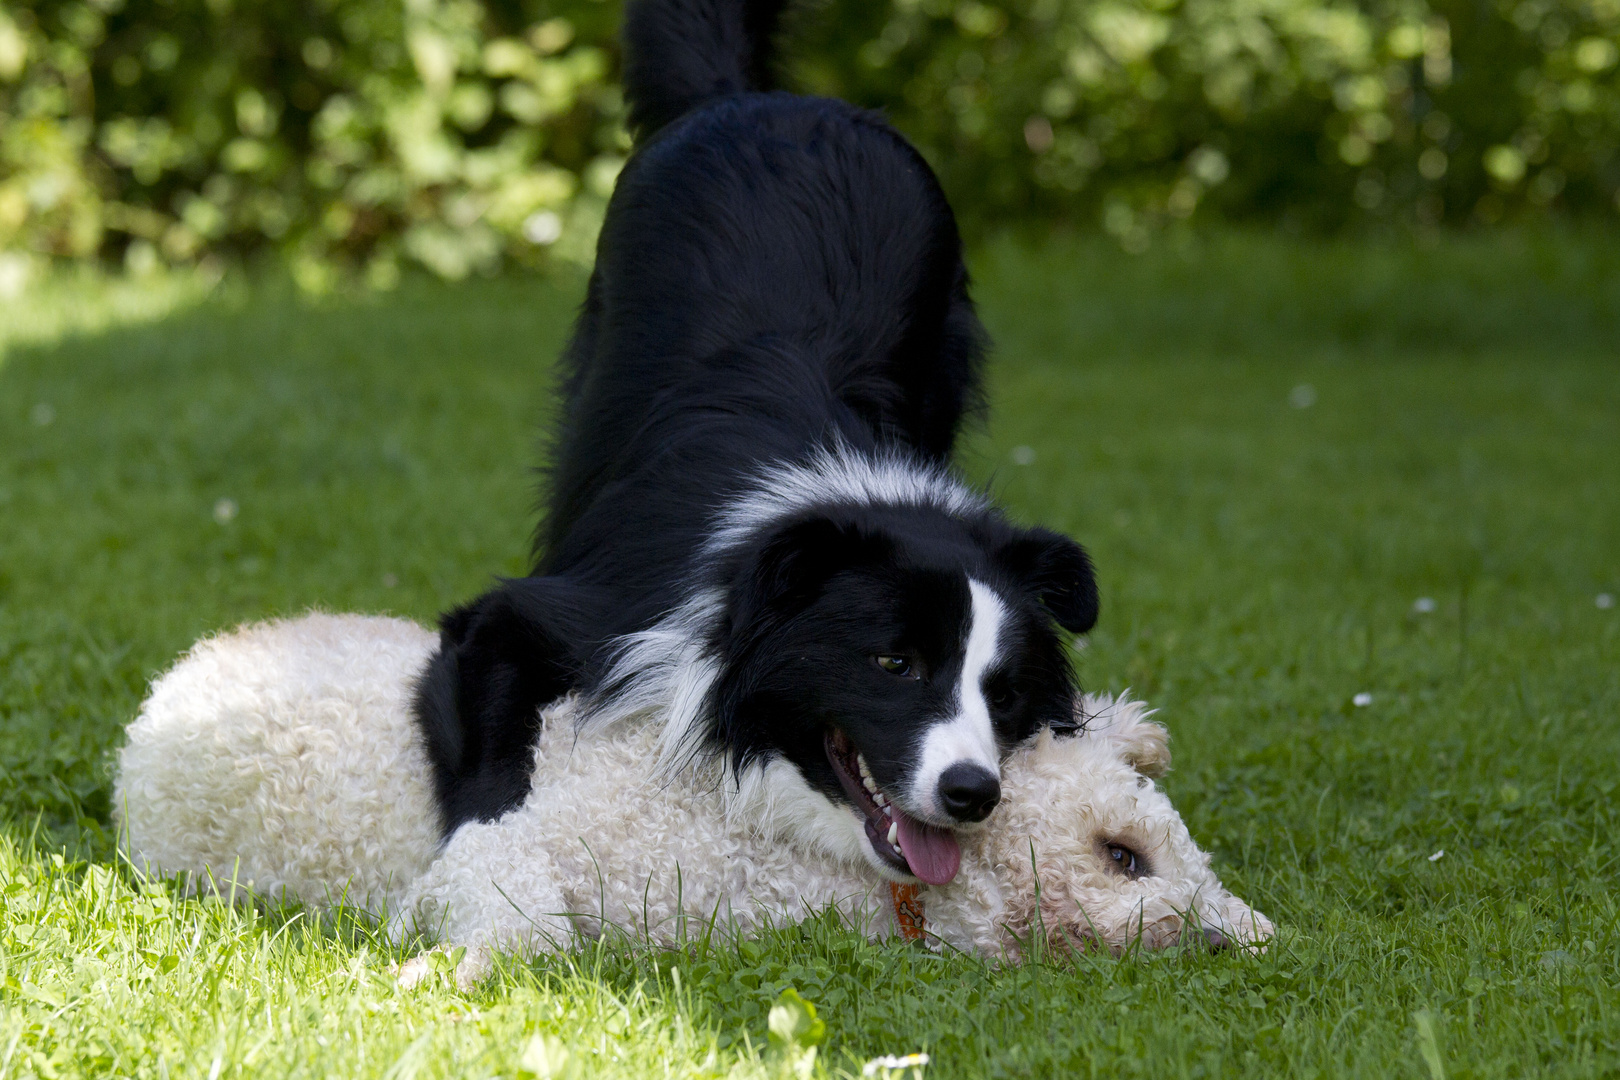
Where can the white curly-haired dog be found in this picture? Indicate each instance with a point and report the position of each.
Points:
(282, 757)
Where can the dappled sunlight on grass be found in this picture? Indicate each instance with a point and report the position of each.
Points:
(86, 302)
(105, 975)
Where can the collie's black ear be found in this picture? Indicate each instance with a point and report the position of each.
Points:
(1057, 570)
(789, 570)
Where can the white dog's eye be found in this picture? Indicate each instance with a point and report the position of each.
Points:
(895, 665)
(1125, 860)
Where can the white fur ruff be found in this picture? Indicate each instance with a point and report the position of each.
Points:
(284, 756)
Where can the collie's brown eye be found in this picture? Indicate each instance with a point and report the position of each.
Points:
(895, 665)
(1001, 694)
(1124, 860)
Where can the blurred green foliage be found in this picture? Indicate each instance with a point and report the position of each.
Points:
(1319, 113)
(465, 134)
(456, 133)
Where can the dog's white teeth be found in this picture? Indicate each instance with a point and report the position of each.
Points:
(897, 850)
(866, 773)
(877, 797)
(869, 784)
(894, 833)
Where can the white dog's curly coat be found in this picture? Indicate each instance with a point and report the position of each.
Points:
(282, 756)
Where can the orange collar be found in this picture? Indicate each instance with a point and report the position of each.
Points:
(908, 911)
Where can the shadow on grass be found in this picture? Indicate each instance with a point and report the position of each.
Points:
(1253, 294)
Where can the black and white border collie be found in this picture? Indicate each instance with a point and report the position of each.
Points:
(750, 518)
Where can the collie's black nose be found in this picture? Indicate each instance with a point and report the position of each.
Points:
(969, 792)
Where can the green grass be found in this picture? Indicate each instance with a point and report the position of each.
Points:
(1259, 561)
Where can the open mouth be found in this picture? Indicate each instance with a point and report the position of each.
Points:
(900, 840)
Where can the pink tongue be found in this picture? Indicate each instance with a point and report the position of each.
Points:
(932, 854)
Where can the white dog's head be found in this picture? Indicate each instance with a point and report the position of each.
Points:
(1085, 851)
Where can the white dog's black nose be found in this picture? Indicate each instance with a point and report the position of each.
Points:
(969, 792)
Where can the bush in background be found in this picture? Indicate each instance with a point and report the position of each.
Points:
(1135, 113)
(468, 134)
(455, 133)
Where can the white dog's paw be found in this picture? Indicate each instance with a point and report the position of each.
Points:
(415, 971)
(1246, 927)
(472, 965)
(476, 966)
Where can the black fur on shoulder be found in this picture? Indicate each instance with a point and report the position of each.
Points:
(523, 643)
(750, 521)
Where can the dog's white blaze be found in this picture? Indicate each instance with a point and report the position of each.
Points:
(968, 736)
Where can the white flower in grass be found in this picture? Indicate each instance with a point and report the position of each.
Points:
(545, 1056)
(1424, 605)
(542, 227)
(1604, 600)
(888, 1063)
(15, 271)
(225, 511)
(1437, 856)
(1362, 700)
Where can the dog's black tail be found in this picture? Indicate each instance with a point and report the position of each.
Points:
(679, 54)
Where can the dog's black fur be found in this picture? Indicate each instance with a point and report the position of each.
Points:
(777, 275)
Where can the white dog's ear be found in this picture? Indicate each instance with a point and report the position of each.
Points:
(1124, 724)
(1146, 746)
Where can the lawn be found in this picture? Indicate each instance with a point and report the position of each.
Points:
(1356, 513)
